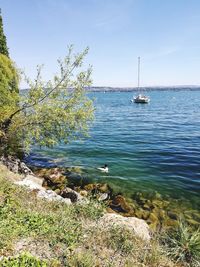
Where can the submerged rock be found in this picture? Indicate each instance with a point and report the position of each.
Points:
(157, 203)
(103, 196)
(74, 169)
(153, 218)
(72, 195)
(158, 211)
(172, 215)
(90, 187)
(54, 178)
(147, 207)
(139, 213)
(98, 188)
(145, 215)
(101, 191)
(120, 205)
(164, 212)
(104, 188)
(83, 193)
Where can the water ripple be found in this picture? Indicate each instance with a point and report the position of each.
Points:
(154, 146)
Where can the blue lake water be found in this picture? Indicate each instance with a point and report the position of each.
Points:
(147, 147)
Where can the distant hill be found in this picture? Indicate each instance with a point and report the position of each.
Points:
(131, 89)
(150, 88)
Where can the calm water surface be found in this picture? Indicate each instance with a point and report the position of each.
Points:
(147, 147)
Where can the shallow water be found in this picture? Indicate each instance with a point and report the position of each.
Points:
(148, 147)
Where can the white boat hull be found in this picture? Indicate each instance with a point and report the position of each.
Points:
(141, 99)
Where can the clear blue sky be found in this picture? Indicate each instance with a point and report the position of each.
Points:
(164, 33)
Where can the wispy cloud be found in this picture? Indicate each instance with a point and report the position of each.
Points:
(113, 14)
(162, 52)
(105, 22)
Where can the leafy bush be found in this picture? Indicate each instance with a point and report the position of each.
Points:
(48, 113)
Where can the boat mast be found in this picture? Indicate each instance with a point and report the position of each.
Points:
(138, 73)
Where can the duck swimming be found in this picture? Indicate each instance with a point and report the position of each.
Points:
(104, 168)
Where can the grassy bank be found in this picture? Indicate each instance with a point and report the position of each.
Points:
(34, 232)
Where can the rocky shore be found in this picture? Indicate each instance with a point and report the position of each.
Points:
(57, 184)
(58, 221)
(52, 185)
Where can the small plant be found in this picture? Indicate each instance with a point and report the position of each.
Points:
(81, 260)
(24, 260)
(183, 245)
(121, 240)
(92, 210)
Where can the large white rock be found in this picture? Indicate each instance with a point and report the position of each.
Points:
(52, 196)
(31, 182)
(139, 227)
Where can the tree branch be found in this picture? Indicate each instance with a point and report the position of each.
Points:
(8, 121)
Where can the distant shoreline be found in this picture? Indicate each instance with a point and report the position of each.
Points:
(150, 88)
(133, 89)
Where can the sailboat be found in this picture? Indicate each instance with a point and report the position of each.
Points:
(140, 98)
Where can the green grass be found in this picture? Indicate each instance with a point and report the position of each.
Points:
(121, 240)
(24, 216)
(81, 259)
(183, 245)
(53, 222)
(120, 247)
(23, 260)
(35, 232)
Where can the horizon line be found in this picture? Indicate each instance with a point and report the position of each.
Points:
(135, 87)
